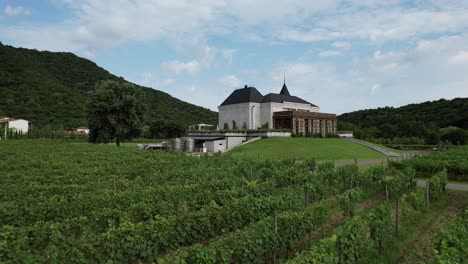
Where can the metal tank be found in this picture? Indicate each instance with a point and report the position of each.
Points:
(176, 145)
(189, 145)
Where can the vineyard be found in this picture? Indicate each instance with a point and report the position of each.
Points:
(455, 161)
(78, 203)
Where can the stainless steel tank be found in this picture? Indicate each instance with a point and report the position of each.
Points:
(176, 145)
(189, 145)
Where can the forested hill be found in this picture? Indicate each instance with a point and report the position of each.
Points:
(414, 120)
(52, 88)
(443, 113)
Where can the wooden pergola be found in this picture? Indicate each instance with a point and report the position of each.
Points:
(302, 122)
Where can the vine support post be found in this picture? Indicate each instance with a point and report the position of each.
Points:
(276, 232)
(397, 217)
(306, 197)
(386, 192)
(427, 193)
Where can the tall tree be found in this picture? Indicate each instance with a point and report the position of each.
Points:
(115, 112)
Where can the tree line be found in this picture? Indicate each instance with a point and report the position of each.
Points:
(425, 123)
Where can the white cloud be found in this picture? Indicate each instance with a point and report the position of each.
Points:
(230, 82)
(16, 11)
(392, 22)
(330, 53)
(228, 54)
(460, 58)
(178, 67)
(341, 45)
(98, 25)
(168, 82)
(375, 88)
(314, 83)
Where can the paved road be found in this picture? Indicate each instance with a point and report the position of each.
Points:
(451, 185)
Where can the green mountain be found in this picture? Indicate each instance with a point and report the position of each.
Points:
(51, 88)
(422, 120)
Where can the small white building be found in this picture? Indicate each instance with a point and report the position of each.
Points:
(20, 125)
(345, 134)
(83, 129)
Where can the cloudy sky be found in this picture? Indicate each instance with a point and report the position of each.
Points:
(340, 55)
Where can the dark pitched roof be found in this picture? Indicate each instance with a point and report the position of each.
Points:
(284, 90)
(251, 94)
(279, 98)
(244, 95)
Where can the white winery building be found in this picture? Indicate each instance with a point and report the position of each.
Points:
(280, 111)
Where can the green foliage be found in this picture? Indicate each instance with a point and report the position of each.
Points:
(226, 126)
(437, 184)
(416, 199)
(452, 245)
(161, 128)
(400, 182)
(352, 241)
(348, 202)
(455, 135)
(379, 223)
(349, 243)
(244, 126)
(115, 112)
(234, 125)
(98, 203)
(266, 125)
(421, 121)
(247, 245)
(323, 253)
(51, 88)
(454, 161)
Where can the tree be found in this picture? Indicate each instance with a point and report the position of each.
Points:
(226, 126)
(115, 111)
(455, 135)
(244, 126)
(234, 125)
(161, 128)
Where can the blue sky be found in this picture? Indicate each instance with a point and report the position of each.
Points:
(340, 55)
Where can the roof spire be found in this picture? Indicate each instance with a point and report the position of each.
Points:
(284, 90)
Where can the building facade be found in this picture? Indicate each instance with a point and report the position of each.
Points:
(247, 107)
(19, 125)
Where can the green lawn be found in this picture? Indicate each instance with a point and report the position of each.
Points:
(322, 149)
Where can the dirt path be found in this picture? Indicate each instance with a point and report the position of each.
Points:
(375, 161)
(421, 248)
(374, 147)
(451, 185)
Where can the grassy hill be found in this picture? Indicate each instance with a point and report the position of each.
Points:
(322, 149)
(52, 88)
